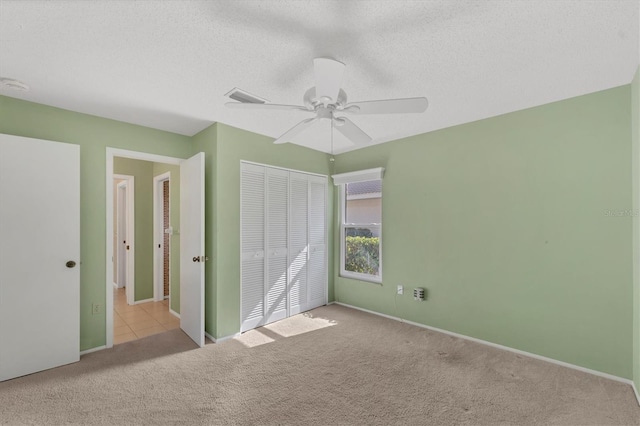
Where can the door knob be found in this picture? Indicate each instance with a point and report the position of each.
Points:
(196, 258)
(70, 264)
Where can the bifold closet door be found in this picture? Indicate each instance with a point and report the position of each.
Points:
(277, 247)
(298, 241)
(252, 222)
(284, 248)
(317, 265)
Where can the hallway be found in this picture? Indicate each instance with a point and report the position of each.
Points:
(131, 322)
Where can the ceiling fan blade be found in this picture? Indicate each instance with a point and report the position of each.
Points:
(242, 105)
(352, 132)
(389, 106)
(329, 75)
(295, 130)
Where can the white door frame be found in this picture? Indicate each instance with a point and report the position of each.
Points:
(135, 155)
(130, 236)
(158, 236)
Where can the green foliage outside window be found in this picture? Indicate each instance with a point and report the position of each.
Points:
(363, 254)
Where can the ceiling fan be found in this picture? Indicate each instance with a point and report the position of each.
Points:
(327, 99)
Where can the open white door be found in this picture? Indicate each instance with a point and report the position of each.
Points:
(39, 255)
(121, 241)
(192, 256)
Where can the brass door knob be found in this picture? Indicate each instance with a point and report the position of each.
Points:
(70, 264)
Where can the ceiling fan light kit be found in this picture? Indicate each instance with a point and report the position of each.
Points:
(327, 99)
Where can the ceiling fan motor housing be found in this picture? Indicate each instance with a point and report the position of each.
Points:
(312, 102)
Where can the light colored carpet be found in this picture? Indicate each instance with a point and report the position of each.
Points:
(333, 365)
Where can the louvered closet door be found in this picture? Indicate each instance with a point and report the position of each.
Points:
(277, 247)
(298, 241)
(317, 266)
(253, 179)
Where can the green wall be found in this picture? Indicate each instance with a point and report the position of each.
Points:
(228, 146)
(635, 165)
(93, 134)
(174, 220)
(504, 222)
(142, 171)
(206, 141)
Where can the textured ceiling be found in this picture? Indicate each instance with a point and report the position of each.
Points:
(168, 64)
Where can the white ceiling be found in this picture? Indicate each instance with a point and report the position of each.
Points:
(168, 64)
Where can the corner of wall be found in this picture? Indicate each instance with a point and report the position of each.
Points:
(635, 173)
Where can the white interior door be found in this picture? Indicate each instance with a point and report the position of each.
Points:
(122, 234)
(252, 231)
(276, 301)
(317, 279)
(39, 255)
(298, 241)
(192, 255)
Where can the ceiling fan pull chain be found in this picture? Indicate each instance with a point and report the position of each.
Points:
(332, 159)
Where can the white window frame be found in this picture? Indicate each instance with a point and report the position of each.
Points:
(342, 180)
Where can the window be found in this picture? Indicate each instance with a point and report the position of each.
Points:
(361, 225)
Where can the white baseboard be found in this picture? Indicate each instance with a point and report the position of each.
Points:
(137, 302)
(505, 348)
(174, 313)
(220, 339)
(88, 351)
(635, 390)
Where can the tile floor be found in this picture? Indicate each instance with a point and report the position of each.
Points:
(131, 322)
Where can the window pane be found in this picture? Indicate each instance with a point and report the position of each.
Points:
(363, 201)
(362, 247)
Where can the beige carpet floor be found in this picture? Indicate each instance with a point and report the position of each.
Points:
(333, 365)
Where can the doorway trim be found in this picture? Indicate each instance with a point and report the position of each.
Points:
(158, 235)
(129, 181)
(134, 155)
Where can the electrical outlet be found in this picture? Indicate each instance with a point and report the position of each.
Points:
(400, 289)
(95, 308)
